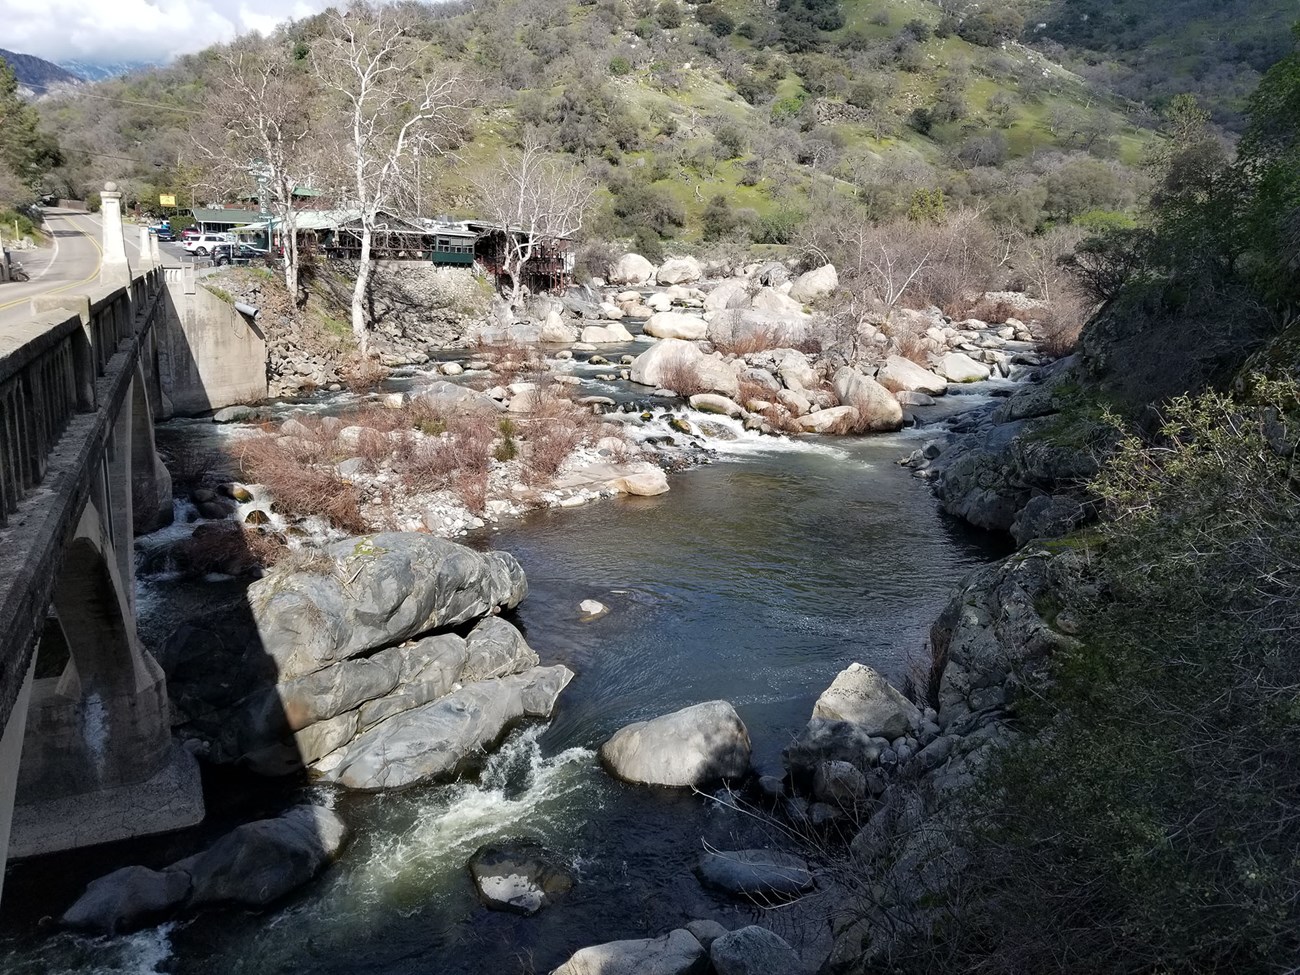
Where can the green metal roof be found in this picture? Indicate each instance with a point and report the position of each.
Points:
(226, 215)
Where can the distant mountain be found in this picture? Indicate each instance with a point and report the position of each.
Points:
(103, 70)
(36, 76)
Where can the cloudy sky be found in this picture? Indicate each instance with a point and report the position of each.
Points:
(136, 30)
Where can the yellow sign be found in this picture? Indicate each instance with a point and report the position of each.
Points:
(167, 199)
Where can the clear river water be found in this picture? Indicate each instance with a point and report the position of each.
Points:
(755, 579)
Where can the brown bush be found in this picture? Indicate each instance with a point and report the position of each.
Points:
(751, 390)
(433, 464)
(556, 427)
(1057, 330)
(682, 377)
(361, 374)
(756, 340)
(299, 488)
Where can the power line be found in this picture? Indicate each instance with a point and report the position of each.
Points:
(115, 98)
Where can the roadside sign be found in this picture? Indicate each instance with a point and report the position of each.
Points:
(167, 199)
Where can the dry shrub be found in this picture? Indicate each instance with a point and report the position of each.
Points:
(229, 548)
(1057, 330)
(361, 373)
(435, 463)
(682, 377)
(306, 560)
(509, 361)
(909, 340)
(751, 390)
(997, 312)
(556, 428)
(299, 488)
(759, 339)
(471, 486)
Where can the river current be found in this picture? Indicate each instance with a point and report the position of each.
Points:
(755, 579)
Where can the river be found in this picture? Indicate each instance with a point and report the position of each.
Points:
(755, 579)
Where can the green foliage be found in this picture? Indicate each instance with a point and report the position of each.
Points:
(26, 153)
(927, 206)
(1143, 822)
(508, 448)
(619, 66)
(991, 25)
(647, 243)
(14, 224)
(668, 14)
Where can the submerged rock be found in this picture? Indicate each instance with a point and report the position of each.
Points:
(521, 879)
(676, 953)
(127, 899)
(260, 862)
(759, 875)
(690, 747)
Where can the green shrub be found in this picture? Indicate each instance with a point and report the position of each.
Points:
(619, 66)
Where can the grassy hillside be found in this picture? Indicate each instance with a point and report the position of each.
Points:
(733, 119)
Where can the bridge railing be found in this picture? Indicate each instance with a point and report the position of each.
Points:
(48, 374)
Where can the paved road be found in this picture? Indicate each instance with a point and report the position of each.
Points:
(71, 264)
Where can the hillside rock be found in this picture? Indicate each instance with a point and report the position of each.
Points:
(691, 747)
(732, 293)
(769, 299)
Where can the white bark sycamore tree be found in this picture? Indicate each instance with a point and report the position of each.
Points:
(540, 197)
(393, 107)
(260, 133)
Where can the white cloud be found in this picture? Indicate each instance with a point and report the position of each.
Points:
(110, 31)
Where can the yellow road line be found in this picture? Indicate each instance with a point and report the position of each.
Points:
(75, 284)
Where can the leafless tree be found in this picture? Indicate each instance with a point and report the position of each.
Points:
(393, 107)
(536, 199)
(260, 131)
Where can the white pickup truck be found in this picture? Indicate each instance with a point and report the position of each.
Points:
(202, 244)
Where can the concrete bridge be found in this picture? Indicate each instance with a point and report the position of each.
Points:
(86, 752)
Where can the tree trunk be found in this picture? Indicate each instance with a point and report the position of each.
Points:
(359, 295)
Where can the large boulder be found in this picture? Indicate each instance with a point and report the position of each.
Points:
(383, 589)
(732, 293)
(815, 284)
(836, 420)
(127, 899)
(260, 862)
(713, 403)
(438, 739)
(691, 747)
(796, 370)
(609, 334)
(877, 408)
(747, 328)
(864, 698)
(903, 375)
(958, 367)
(676, 325)
(453, 398)
(656, 365)
(769, 299)
(753, 951)
(631, 269)
(556, 329)
(679, 270)
(760, 875)
(520, 879)
(676, 953)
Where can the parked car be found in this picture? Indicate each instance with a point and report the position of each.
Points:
(202, 244)
(164, 233)
(189, 233)
(237, 254)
